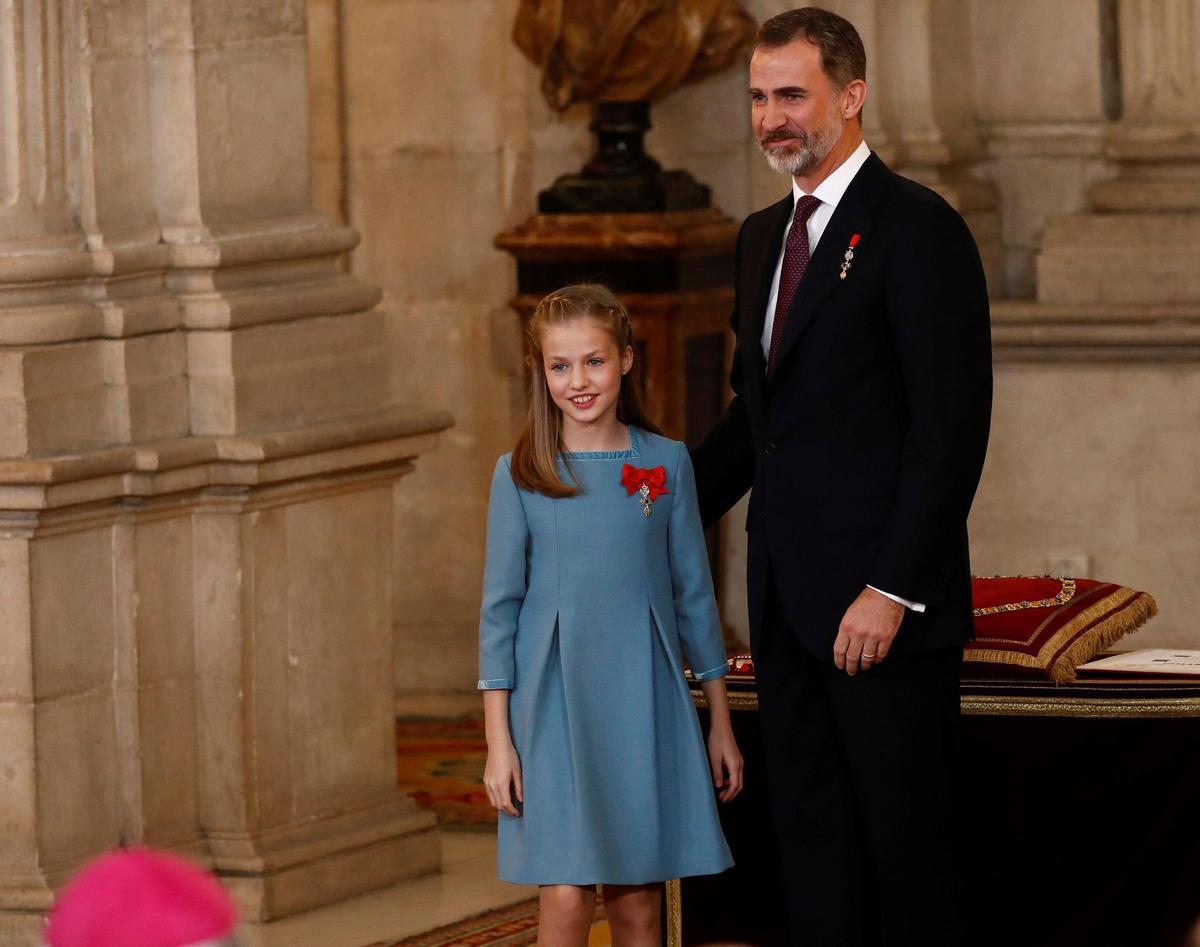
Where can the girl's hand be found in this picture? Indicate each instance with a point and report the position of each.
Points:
(725, 761)
(502, 779)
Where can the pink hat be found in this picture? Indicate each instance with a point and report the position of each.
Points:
(140, 898)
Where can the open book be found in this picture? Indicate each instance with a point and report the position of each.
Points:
(1148, 661)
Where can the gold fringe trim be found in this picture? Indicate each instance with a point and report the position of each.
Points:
(1041, 661)
(1139, 611)
(1036, 632)
(1126, 610)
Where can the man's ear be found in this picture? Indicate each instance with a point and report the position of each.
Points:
(854, 98)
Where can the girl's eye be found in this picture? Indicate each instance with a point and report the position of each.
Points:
(557, 366)
(596, 361)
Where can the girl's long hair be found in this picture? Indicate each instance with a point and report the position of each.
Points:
(534, 457)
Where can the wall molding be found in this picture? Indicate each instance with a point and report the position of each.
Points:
(1029, 331)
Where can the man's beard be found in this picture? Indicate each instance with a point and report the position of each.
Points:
(814, 148)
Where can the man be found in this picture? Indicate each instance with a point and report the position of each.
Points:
(862, 376)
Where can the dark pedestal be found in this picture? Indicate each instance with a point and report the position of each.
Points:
(621, 177)
(1079, 827)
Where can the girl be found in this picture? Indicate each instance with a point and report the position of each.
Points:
(596, 572)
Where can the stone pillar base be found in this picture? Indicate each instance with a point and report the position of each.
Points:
(198, 657)
(24, 901)
(277, 872)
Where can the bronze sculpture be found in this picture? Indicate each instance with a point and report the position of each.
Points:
(618, 56)
(627, 50)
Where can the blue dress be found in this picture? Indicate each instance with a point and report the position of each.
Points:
(586, 602)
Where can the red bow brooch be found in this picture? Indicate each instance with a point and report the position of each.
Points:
(648, 484)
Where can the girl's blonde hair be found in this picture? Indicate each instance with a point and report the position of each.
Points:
(534, 458)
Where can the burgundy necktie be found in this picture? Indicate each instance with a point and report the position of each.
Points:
(795, 262)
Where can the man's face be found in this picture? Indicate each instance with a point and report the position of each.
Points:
(796, 113)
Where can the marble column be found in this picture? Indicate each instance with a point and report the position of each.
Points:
(924, 80)
(1139, 243)
(198, 450)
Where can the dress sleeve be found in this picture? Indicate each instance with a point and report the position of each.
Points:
(691, 580)
(503, 581)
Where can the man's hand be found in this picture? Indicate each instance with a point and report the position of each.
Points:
(866, 633)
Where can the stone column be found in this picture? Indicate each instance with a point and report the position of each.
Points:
(1140, 242)
(924, 80)
(197, 459)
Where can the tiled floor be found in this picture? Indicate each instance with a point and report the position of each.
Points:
(466, 886)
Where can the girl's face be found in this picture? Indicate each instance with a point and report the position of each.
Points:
(583, 371)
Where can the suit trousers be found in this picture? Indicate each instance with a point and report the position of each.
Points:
(862, 775)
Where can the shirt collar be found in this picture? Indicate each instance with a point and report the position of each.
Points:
(830, 190)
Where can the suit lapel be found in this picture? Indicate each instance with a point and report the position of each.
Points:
(854, 215)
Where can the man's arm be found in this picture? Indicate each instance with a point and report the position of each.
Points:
(724, 463)
(724, 460)
(938, 311)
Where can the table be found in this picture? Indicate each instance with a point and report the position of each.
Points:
(1081, 822)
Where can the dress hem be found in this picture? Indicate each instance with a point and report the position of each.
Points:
(657, 878)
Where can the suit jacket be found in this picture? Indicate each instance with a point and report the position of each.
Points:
(864, 447)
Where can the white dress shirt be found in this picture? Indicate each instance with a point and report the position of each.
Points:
(828, 192)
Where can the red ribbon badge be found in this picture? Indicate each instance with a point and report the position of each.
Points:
(648, 484)
(848, 256)
(632, 479)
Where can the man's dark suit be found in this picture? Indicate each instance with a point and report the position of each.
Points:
(863, 449)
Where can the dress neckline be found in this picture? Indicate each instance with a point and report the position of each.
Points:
(632, 451)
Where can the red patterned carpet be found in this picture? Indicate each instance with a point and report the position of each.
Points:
(508, 926)
(504, 927)
(439, 762)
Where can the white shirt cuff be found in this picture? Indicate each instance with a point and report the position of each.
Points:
(911, 606)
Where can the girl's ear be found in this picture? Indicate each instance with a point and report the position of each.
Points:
(627, 360)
